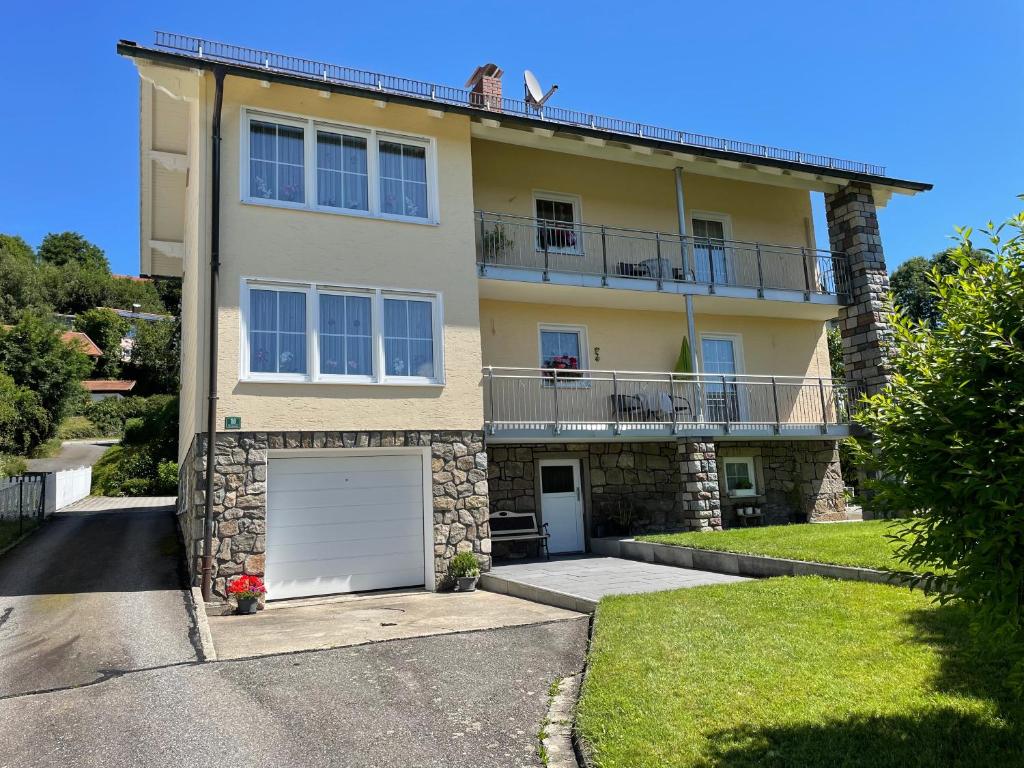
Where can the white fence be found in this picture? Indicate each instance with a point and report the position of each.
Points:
(66, 487)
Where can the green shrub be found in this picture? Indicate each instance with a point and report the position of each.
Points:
(11, 465)
(77, 428)
(134, 431)
(109, 415)
(464, 564)
(24, 422)
(166, 478)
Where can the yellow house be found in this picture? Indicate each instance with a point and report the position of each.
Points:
(421, 320)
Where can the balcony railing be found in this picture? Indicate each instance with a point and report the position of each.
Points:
(623, 257)
(545, 402)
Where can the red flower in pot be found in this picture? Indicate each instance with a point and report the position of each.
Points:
(247, 590)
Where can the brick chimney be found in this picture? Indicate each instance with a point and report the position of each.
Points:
(485, 87)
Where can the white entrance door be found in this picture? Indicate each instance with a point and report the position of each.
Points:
(561, 504)
(344, 524)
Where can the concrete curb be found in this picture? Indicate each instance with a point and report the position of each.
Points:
(754, 566)
(204, 637)
(503, 586)
(559, 724)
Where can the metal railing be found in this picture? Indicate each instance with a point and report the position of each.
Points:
(333, 73)
(608, 252)
(531, 400)
(22, 502)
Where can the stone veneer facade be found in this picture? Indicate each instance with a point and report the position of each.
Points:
(458, 469)
(648, 487)
(863, 322)
(797, 480)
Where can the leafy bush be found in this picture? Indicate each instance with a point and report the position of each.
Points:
(11, 465)
(24, 423)
(106, 328)
(110, 415)
(464, 564)
(166, 478)
(134, 431)
(950, 433)
(77, 428)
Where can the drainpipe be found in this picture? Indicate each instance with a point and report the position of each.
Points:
(211, 408)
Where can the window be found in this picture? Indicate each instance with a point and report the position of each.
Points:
(562, 348)
(276, 162)
(739, 476)
(709, 252)
(558, 222)
(346, 335)
(408, 338)
(403, 179)
(277, 331)
(351, 335)
(342, 173)
(719, 356)
(339, 169)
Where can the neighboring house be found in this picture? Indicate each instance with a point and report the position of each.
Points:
(435, 304)
(134, 318)
(103, 389)
(82, 341)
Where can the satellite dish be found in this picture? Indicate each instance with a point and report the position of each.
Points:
(535, 95)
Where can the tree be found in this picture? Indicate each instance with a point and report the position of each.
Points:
(156, 355)
(125, 293)
(949, 432)
(72, 248)
(15, 247)
(20, 286)
(24, 423)
(106, 328)
(33, 353)
(911, 283)
(835, 352)
(74, 288)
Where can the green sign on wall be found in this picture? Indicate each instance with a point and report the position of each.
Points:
(232, 422)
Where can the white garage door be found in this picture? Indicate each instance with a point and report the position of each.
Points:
(344, 524)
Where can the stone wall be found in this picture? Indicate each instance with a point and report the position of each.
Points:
(649, 487)
(458, 468)
(853, 229)
(798, 480)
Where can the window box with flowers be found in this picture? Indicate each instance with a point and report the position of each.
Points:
(247, 591)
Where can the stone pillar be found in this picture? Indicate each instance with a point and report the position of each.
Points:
(853, 229)
(699, 500)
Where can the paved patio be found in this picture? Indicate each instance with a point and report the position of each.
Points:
(578, 582)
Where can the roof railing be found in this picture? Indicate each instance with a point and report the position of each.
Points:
(360, 78)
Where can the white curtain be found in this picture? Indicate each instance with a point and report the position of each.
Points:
(403, 179)
(345, 335)
(277, 331)
(408, 338)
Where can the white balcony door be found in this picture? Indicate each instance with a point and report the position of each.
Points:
(561, 504)
(720, 356)
(711, 261)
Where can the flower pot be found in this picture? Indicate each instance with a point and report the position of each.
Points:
(247, 605)
(467, 583)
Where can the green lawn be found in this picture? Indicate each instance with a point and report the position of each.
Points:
(864, 544)
(803, 672)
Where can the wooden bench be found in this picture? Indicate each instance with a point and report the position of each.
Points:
(519, 526)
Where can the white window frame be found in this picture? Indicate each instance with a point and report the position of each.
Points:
(313, 290)
(577, 218)
(581, 330)
(737, 350)
(752, 474)
(726, 221)
(373, 136)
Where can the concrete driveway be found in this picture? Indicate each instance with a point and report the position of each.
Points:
(73, 453)
(97, 592)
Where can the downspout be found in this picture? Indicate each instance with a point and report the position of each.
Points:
(211, 408)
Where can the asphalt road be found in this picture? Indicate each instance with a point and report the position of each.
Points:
(97, 669)
(92, 594)
(73, 453)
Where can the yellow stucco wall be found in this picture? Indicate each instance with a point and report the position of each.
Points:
(259, 241)
(632, 340)
(617, 194)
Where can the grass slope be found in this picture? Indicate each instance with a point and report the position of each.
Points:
(862, 544)
(794, 672)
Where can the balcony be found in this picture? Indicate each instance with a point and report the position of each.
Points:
(527, 404)
(569, 253)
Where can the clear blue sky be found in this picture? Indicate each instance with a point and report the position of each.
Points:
(932, 89)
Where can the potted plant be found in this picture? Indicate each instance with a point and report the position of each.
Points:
(465, 569)
(247, 590)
